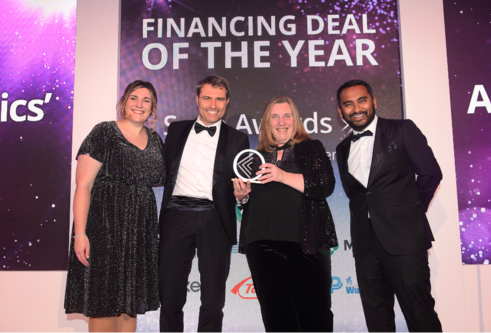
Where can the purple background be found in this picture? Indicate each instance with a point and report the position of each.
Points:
(468, 34)
(312, 88)
(37, 57)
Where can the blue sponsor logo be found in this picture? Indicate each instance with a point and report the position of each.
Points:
(350, 288)
(336, 284)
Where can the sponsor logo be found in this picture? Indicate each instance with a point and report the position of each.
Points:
(245, 289)
(194, 286)
(336, 284)
(333, 249)
(350, 288)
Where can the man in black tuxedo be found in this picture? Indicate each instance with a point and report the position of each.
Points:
(390, 175)
(198, 208)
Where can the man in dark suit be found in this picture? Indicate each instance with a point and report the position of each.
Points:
(198, 208)
(390, 175)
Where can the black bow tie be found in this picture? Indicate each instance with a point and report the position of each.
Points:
(357, 137)
(211, 130)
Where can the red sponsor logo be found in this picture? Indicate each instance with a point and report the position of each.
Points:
(245, 289)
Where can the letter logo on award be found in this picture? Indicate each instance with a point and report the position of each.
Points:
(247, 163)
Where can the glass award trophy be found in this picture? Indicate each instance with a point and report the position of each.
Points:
(247, 163)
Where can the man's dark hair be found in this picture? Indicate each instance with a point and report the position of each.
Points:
(215, 81)
(353, 83)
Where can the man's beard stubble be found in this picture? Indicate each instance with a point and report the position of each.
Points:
(369, 120)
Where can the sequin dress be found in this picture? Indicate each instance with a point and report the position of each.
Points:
(122, 276)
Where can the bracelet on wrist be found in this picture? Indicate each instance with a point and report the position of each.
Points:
(79, 235)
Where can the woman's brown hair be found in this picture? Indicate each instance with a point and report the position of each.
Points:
(127, 92)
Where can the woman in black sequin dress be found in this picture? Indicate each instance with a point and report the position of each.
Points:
(112, 270)
(287, 228)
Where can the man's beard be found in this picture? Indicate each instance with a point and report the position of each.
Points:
(369, 119)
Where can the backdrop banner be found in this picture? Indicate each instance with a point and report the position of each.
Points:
(467, 28)
(37, 56)
(301, 49)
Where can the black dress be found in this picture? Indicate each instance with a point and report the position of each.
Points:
(122, 276)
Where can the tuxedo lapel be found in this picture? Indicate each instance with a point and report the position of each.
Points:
(179, 149)
(380, 146)
(221, 152)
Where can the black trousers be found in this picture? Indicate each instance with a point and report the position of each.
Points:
(293, 288)
(381, 274)
(182, 233)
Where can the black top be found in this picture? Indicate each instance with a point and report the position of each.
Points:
(318, 232)
(275, 208)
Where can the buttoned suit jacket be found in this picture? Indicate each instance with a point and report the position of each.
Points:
(230, 143)
(396, 199)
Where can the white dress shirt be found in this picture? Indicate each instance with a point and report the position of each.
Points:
(195, 175)
(360, 154)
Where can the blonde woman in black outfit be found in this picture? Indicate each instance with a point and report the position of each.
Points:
(287, 227)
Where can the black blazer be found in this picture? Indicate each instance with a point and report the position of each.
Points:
(230, 143)
(396, 200)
